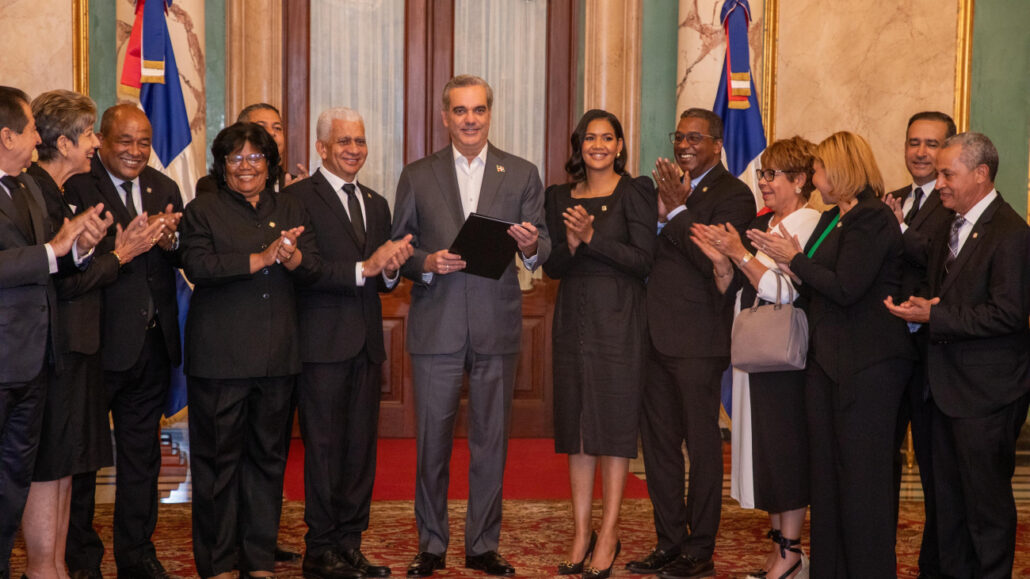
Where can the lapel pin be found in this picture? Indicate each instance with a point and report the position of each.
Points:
(604, 208)
(975, 235)
(149, 190)
(839, 224)
(271, 223)
(704, 189)
(500, 168)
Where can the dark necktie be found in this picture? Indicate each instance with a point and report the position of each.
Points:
(953, 240)
(20, 198)
(354, 208)
(917, 196)
(129, 204)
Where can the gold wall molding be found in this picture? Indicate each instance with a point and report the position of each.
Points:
(611, 66)
(963, 63)
(770, 36)
(80, 46)
(254, 54)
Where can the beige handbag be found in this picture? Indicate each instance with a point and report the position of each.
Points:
(771, 337)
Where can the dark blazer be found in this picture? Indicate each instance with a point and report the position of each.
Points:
(241, 324)
(979, 354)
(843, 287)
(919, 236)
(28, 298)
(153, 273)
(78, 291)
(459, 308)
(681, 292)
(338, 318)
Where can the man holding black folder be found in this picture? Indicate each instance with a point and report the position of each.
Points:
(461, 322)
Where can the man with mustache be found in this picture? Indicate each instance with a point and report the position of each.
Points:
(920, 215)
(462, 323)
(689, 322)
(140, 345)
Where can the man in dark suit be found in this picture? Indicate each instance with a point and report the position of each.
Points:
(341, 335)
(140, 345)
(689, 322)
(920, 215)
(976, 307)
(460, 322)
(28, 305)
(269, 118)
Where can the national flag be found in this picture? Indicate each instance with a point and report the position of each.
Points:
(736, 101)
(150, 72)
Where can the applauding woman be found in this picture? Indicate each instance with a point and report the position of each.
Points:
(242, 247)
(602, 223)
(859, 360)
(770, 438)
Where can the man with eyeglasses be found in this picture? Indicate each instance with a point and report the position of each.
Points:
(689, 322)
(920, 214)
(140, 345)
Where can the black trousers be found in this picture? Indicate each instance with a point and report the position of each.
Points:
(21, 418)
(916, 410)
(339, 415)
(136, 398)
(238, 460)
(681, 403)
(974, 460)
(851, 444)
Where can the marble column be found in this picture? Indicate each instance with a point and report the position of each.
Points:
(611, 65)
(254, 54)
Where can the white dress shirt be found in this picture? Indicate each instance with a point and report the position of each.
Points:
(801, 224)
(470, 178)
(337, 184)
(906, 206)
(972, 216)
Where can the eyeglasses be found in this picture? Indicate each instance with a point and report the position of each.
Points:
(769, 174)
(253, 159)
(692, 138)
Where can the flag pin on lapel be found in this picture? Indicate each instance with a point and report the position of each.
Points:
(500, 168)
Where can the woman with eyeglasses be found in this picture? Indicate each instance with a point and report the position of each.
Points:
(243, 249)
(770, 440)
(859, 360)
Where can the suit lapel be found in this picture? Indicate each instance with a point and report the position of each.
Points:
(37, 211)
(974, 240)
(704, 184)
(7, 207)
(325, 191)
(447, 179)
(493, 175)
(931, 204)
(112, 201)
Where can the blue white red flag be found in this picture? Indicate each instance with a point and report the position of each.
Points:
(736, 101)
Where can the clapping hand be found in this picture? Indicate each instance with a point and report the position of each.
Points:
(673, 186)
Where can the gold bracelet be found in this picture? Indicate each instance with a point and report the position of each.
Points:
(116, 256)
(747, 257)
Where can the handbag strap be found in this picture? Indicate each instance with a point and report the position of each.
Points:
(779, 281)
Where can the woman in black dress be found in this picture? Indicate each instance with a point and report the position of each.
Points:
(777, 429)
(859, 360)
(75, 436)
(603, 226)
(242, 248)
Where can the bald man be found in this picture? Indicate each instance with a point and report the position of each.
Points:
(140, 345)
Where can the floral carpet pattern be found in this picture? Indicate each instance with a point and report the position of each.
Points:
(533, 538)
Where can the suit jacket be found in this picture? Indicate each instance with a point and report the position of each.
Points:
(978, 359)
(337, 318)
(919, 236)
(153, 273)
(843, 287)
(78, 291)
(458, 307)
(681, 291)
(241, 324)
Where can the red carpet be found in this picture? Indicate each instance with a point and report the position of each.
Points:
(534, 471)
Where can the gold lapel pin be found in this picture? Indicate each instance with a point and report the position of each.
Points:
(149, 190)
(604, 208)
(704, 189)
(975, 235)
(271, 223)
(500, 168)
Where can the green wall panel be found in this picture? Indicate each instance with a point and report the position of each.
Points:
(103, 56)
(657, 81)
(214, 76)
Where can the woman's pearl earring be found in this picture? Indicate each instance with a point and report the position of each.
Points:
(797, 190)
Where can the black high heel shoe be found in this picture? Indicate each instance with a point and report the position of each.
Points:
(792, 546)
(775, 536)
(570, 568)
(594, 573)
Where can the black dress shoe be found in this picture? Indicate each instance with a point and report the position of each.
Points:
(570, 568)
(329, 565)
(595, 573)
(146, 568)
(687, 567)
(490, 563)
(357, 560)
(93, 573)
(284, 555)
(653, 563)
(425, 563)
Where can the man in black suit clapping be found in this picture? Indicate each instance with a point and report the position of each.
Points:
(976, 305)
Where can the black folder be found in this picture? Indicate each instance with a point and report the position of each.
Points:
(485, 246)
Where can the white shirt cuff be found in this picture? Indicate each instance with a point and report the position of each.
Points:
(391, 281)
(675, 211)
(51, 258)
(359, 280)
(427, 277)
(530, 262)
